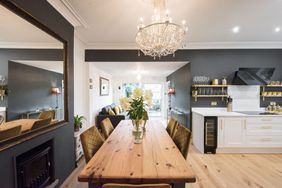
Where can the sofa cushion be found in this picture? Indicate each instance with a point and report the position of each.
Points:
(106, 109)
(120, 109)
(116, 110)
(111, 112)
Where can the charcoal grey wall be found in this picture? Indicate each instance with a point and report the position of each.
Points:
(213, 63)
(30, 89)
(223, 63)
(63, 140)
(26, 54)
(180, 80)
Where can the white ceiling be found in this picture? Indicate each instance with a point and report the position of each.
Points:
(112, 23)
(158, 69)
(16, 32)
(54, 66)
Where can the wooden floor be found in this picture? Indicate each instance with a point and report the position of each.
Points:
(221, 170)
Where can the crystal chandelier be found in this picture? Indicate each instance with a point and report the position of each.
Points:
(161, 37)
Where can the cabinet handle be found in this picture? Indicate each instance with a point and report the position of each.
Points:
(266, 139)
(221, 125)
(266, 127)
(245, 124)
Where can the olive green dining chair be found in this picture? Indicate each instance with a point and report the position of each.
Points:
(41, 123)
(112, 185)
(171, 127)
(91, 141)
(107, 127)
(182, 140)
(47, 114)
(10, 133)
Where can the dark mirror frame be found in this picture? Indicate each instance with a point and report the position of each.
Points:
(27, 136)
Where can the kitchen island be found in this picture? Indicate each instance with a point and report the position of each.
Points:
(236, 132)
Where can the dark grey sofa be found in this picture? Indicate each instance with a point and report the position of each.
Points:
(103, 114)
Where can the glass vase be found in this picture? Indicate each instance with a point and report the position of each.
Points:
(137, 131)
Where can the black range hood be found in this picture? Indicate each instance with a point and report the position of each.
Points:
(253, 76)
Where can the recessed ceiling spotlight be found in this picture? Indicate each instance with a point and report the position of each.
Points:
(236, 29)
(277, 29)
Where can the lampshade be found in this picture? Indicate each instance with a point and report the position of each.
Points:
(55, 90)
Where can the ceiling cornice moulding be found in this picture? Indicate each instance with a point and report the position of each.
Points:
(24, 45)
(195, 45)
(68, 12)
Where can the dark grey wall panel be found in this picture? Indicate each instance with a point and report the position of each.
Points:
(26, 54)
(30, 89)
(180, 80)
(64, 153)
(212, 63)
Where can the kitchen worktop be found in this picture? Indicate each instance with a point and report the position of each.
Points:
(222, 112)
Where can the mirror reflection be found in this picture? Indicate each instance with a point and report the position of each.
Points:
(31, 77)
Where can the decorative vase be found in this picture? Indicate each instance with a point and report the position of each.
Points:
(76, 127)
(137, 131)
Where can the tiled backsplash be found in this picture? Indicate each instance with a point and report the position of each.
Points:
(245, 98)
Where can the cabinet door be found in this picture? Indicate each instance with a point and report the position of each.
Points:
(220, 132)
(234, 132)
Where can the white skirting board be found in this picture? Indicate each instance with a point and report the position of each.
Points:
(249, 150)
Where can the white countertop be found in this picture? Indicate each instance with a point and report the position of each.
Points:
(222, 112)
(2, 109)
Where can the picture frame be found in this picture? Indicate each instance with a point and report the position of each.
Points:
(104, 86)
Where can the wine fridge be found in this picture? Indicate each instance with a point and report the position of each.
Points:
(210, 135)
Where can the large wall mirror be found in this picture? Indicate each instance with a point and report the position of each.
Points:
(32, 90)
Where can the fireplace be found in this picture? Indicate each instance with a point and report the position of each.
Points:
(35, 167)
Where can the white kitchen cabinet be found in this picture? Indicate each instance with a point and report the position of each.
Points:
(198, 131)
(231, 132)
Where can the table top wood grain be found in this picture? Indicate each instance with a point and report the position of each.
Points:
(155, 160)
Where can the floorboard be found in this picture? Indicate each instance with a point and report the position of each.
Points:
(221, 171)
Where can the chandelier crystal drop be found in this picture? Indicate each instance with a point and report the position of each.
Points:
(162, 37)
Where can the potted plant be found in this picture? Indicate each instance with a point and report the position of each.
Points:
(136, 105)
(78, 120)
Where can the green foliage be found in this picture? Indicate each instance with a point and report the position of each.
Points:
(78, 119)
(137, 109)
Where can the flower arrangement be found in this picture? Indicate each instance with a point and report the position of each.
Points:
(136, 104)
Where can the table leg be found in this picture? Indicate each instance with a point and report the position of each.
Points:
(94, 185)
(178, 185)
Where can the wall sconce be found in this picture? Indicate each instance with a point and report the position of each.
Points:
(171, 91)
(56, 91)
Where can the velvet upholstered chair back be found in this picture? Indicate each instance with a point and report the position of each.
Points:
(171, 127)
(47, 114)
(182, 140)
(10, 133)
(107, 127)
(91, 141)
(40, 123)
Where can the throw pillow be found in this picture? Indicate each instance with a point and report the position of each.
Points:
(111, 112)
(120, 109)
(116, 110)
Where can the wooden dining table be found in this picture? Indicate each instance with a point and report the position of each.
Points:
(156, 160)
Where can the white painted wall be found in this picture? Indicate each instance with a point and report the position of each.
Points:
(119, 80)
(97, 102)
(81, 95)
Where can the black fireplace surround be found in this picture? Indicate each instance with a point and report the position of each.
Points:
(34, 168)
